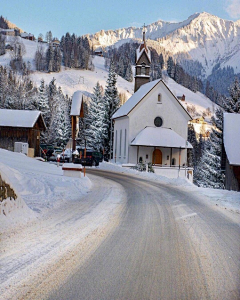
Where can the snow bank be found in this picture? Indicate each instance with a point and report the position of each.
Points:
(229, 200)
(40, 186)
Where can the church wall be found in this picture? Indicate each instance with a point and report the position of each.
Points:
(121, 128)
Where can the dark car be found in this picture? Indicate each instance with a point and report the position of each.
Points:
(92, 158)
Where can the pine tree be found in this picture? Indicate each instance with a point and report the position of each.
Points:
(111, 104)
(231, 104)
(209, 173)
(129, 74)
(95, 131)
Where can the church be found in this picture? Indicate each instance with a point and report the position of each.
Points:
(152, 126)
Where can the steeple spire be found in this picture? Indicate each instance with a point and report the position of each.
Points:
(144, 33)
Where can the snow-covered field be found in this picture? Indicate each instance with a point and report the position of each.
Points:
(58, 217)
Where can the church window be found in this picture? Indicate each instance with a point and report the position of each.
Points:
(158, 121)
(120, 144)
(143, 70)
(159, 98)
(125, 143)
(116, 144)
(173, 161)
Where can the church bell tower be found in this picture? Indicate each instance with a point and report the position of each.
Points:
(143, 62)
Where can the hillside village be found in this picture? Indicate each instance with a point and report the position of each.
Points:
(41, 63)
(119, 152)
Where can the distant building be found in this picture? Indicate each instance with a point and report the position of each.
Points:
(27, 36)
(55, 42)
(8, 32)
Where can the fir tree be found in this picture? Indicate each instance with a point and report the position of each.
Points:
(111, 104)
(209, 173)
(96, 130)
(231, 104)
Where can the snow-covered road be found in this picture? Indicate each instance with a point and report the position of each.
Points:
(62, 220)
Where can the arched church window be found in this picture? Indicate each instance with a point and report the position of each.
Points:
(143, 69)
(159, 98)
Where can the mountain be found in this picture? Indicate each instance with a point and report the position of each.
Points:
(201, 42)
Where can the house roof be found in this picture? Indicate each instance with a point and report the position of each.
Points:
(20, 118)
(231, 134)
(133, 101)
(160, 137)
(77, 102)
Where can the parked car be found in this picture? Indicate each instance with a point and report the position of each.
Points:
(52, 154)
(66, 155)
(92, 158)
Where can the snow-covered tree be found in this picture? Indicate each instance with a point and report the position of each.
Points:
(111, 104)
(231, 104)
(209, 173)
(95, 131)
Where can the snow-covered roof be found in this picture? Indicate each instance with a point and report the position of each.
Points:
(160, 137)
(127, 107)
(19, 118)
(76, 103)
(140, 51)
(231, 137)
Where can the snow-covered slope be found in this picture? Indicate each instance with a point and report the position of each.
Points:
(202, 37)
(72, 80)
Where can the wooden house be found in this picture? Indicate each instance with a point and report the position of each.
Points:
(21, 126)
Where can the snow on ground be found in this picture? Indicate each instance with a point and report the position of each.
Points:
(229, 200)
(53, 222)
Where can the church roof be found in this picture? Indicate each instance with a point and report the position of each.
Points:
(143, 47)
(133, 101)
(231, 130)
(160, 137)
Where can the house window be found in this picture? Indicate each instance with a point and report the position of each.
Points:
(125, 143)
(159, 98)
(173, 162)
(120, 144)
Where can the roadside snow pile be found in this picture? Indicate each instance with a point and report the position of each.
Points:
(229, 200)
(39, 185)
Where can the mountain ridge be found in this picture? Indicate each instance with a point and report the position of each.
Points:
(203, 37)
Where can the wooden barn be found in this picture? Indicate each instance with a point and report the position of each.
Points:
(21, 126)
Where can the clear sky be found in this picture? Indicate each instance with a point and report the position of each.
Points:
(90, 16)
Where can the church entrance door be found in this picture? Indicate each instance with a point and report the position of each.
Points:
(157, 157)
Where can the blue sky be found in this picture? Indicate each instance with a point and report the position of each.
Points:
(89, 16)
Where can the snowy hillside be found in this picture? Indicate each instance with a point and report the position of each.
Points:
(202, 37)
(72, 80)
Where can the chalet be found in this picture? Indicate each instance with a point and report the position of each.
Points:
(21, 126)
(231, 151)
(55, 42)
(152, 126)
(8, 32)
(98, 52)
(27, 36)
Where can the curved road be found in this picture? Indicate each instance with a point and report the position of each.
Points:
(169, 245)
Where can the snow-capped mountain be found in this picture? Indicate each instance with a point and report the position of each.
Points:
(203, 37)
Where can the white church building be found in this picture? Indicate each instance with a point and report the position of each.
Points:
(152, 126)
